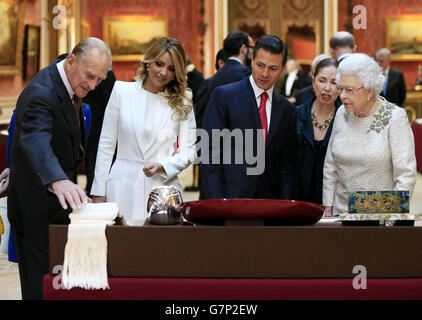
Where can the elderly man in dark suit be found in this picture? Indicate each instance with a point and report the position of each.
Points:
(238, 47)
(48, 146)
(394, 86)
(251, 110)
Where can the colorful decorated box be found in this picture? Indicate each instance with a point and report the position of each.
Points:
(379, 202)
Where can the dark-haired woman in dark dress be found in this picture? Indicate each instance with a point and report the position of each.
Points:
(315, 119)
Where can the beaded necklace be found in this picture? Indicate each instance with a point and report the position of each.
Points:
(320, 126)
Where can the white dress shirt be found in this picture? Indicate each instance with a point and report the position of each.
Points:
(290, 79)
(257, 92)
(60, 67)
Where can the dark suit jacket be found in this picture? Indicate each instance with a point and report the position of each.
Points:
(46, 148)
(97, 100)
(232, 71)
(201, 101)
(195, 79)
(302, 80)
(310, 158)
(304, 95)
(396, 87)
(234, 106)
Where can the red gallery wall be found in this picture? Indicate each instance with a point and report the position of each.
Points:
(12, 86)
(373, 38)
(181, 16)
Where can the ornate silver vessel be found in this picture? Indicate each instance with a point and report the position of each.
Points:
(163, 205)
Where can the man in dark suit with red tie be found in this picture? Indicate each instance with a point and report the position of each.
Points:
(48, 146)
(394, 89)
(252, 133)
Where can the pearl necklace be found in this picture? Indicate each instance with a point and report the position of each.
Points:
(320, 126)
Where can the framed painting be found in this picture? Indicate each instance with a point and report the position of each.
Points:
(12, 14)
(403, 37)
(31, 52)
(129, 37)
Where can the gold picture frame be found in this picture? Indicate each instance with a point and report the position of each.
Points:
(12, 15)
(129, 37)
(31, 52)
(403, 37)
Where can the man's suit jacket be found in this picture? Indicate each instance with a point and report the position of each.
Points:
(234, 106)
(201, 102)
(97, 100)
(195, 78)
(396, 87)
(232, 71)
(46, 148)
(301, 81)
(304, 95)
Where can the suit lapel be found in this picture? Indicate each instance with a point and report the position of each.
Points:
(276, 113)
(138, 110)
(158, 117)
(67, 109)
(157, 120)
(250, 102)
(308, 132)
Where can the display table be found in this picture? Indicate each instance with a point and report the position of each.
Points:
(240, 289)
(417, 134)
(263, 262)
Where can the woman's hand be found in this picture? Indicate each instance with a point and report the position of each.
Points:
(152, 168)
(98, 199)
(328, 211)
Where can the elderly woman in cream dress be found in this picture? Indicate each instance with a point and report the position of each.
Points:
(152, 122)
(372, 145)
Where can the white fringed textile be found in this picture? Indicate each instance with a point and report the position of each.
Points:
(85, 256)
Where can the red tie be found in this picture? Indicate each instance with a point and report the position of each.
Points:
(263, 113)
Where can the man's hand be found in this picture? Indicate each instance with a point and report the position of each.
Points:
(67, 191)
(152, 168)
(98, 199)
(4, 182)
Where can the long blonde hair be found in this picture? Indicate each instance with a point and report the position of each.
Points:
(176, 88)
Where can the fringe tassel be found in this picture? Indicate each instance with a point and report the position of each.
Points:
(85, 263)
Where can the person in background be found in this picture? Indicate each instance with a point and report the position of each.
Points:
(195, 79)
(307, 93)
(371, 146)
(314, 125)
(238, 45)
(48, 147)
(97, 100)
(294, 80)
(152, 123)
(200, 106)
(394, 89)
(342, 45)
(202, 100)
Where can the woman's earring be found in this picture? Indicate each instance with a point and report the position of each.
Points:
(147, 67)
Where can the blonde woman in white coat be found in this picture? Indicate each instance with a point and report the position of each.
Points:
(152, 122)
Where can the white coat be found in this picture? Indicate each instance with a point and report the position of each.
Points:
(143, 126)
